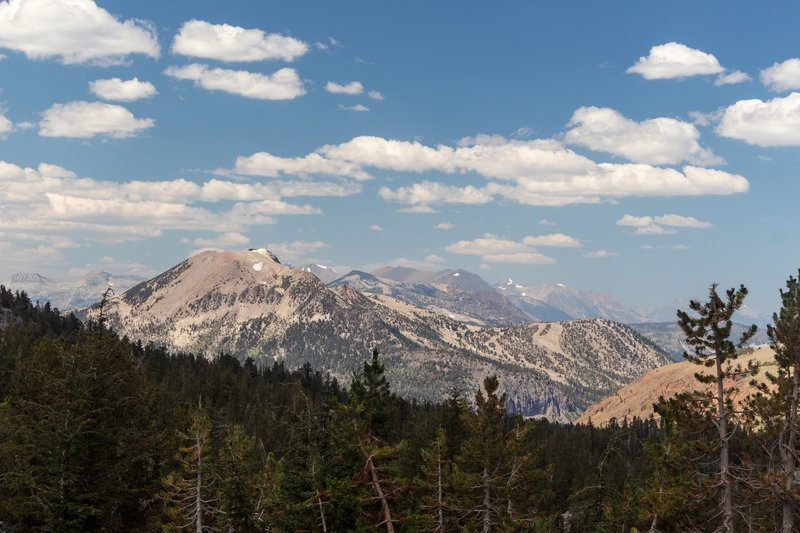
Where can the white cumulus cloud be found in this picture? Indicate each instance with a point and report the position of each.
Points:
(493, 249)
(50, 202)
(6, 125)
(429, 192)
(271, 166)
(292, 251)
(775, 122)
(679, 221)
(283, 84)
(357, 107)
(224, 42)
(648, 225)
(444, 225)
(554, 239)
(533, 172)
(375, 95)
(224, 240)
(123, 91)
(637, 222)
(87, 119)
(732, 77)
(675, 60)
(658, 141)
(599, 254)
(353, 87)
(76, 31)
(782, 76)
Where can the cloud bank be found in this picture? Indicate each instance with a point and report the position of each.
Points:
(535, 172)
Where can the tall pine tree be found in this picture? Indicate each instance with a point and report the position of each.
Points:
(775, 408)
(709, 335)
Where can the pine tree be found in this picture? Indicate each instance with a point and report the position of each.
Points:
(434, 512)
(775, 407)
(239, 481)
(709, 336)
(363, 434)
(189, 494)
(672, 497)
(492, 466)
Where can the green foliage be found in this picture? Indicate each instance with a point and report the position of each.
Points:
(78, 442)
(709, 333)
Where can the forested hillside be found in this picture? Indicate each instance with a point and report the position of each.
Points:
(101, 434)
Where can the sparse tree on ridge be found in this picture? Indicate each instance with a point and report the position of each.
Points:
(709, 336)
(775, 406)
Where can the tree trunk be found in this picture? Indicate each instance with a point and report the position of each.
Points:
(439, 485)
(198, 495)
(724, 453)
(321, 513)
(376, 485)
(487, 502)
(387, 515)
(788, 455)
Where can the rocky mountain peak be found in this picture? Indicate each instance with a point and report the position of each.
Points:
(27, 277)
(271, 256)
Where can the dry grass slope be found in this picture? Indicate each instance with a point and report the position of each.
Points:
(638, 397)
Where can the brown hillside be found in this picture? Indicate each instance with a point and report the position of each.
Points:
(637, 398)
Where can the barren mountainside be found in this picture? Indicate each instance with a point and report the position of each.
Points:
(637, 398)
(250, 305)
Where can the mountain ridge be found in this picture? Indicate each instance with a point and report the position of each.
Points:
(67, 295)
(246, 304)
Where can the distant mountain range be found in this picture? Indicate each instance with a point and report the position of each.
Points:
(325, 274)
(670, 337)
(667, 313)
(457, 294)
(436, 328)
(250, 305)
(69, 294)
(572, 302)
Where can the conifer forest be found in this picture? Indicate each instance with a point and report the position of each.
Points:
(99, 433)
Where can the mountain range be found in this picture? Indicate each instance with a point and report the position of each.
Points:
(436, 329)
(69, 294)
(568, 302)
(457, 294)
(251, 305)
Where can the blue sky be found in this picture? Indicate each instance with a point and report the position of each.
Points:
(642, 149)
